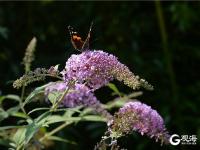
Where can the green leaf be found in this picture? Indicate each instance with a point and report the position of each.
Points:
(67, 116)
(9, 127)
(1, 99)
(38, 90)
(13, 145)
(56, 66)
(134, 94)
(30, 131)
(86, 111)
(5, 142)
(38, 109)
(13, 97)
(3, 114)
(9, 96)
(42, 118)
(70, 111)
(13, 110)
(20, 114)
(19, 136)
(114, 104)
(120, 101)
(36, 125)
(93, 118)
(114, 88)
(54, 96)
(56, 138)
(57, 118)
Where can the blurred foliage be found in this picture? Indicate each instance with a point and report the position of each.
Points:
(131, 31)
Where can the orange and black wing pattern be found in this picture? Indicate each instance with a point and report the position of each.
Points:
(76, 40)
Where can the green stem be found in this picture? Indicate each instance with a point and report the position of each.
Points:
(48, 75)
(20, 147)
(21, 99)
(60, 100)
(167, 54)
(58, 77)
(54, 107)
(54, 131)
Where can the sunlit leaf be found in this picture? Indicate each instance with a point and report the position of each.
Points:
(10, 97)
(86, 111)
(57, 118)
(19, 136)
(3, 114)
(1, 99)
(70, 111)
(56, 66)
(42, 118)
(38, 109)
(13, 97)
(20, 114)
(38, 90)
(13, 110)
(9, 127)
(35, 126)
(114, 88)
(54, 96)
(93, 118)
(56, 138)
(5, 142)
(120, 101)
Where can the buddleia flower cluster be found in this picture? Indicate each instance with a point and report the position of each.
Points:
(91, 70)
(97, 68)
(139, 117)
(29, 54)
(79, 95)
(37, 75)
(30, 77)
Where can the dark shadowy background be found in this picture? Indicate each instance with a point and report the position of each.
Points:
(161, 43)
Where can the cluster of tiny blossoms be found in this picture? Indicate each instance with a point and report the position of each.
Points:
(93, 69)
(136, 116)
(78, 95)
(97, 68)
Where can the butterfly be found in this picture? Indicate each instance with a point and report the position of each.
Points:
(76, 40)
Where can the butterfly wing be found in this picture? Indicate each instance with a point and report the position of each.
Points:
(86, 43)
(76, 40)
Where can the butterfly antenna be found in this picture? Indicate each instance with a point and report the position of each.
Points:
(70, 30)
(91, 26)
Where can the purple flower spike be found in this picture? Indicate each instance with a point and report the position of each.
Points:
(136, 116)
(79, 95)
(97, 68)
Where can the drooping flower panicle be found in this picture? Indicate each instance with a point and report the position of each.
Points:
(92, 67)
(96, 68)
(37, 75)
(29, 54)
(79, 95)
(136, 116)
